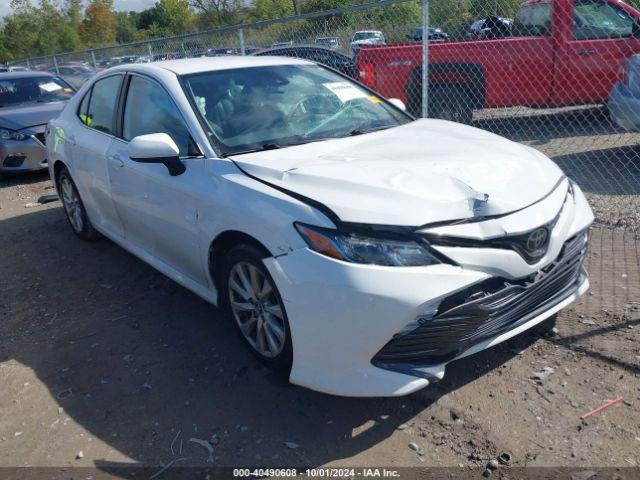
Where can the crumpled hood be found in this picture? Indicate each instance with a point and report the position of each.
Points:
(424, 172)
(29, 114)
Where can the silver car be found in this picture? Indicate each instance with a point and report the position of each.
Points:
(28, 100)
(624, 100)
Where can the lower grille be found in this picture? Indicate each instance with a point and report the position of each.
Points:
(486, 310)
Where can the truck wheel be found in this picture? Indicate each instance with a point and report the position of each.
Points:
(453, 104)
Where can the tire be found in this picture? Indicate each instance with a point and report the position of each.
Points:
(453, 104)
(446, 103)
(74, 208)
(256, 309)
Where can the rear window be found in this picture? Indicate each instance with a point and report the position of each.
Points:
(33, 89)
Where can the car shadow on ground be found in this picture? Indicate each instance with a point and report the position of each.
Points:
(134, 358)
(542, 125)
(611, 171)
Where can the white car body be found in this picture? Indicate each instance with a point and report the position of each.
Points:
(444, 180)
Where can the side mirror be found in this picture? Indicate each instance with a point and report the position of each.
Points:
(157, 148)
(396, 102)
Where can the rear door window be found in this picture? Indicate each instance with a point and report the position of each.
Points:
(103, 103)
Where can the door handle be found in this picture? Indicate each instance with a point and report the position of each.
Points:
(116, 160)
(584, 53)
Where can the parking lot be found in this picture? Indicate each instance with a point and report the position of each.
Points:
(106, 363)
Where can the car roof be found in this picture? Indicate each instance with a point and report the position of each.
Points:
(26, 74)
(189, 66)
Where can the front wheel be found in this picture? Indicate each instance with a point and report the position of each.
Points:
(254, 303)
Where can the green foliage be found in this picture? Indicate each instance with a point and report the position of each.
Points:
(42, 29)
(167, 17)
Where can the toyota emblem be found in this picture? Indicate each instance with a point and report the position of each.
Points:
(537, 239)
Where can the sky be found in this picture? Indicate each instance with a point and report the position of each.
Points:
(123, 5)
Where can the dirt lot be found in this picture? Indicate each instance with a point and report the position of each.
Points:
(100, 354)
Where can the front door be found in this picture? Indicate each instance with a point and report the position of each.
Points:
(159, 211)
(601, 41)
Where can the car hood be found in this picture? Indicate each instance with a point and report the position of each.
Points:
(27, 115)
(423, 172)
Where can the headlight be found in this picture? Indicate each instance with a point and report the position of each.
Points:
(355, 248)
(6, 134)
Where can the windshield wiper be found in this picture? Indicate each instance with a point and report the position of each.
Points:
(363, 131)
(270, 146)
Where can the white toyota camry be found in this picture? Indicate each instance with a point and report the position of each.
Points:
(356, 248)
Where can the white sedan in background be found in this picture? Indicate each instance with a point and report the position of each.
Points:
(356, 248)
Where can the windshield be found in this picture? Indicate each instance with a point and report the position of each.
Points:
(262, 108)
(33, 89)
(367, 36)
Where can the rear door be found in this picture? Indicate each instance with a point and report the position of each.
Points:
(93, 139)
(599, 42)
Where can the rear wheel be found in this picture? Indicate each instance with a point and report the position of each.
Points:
(254, 303)
(74, 208)
(446, 103)
(452, 104)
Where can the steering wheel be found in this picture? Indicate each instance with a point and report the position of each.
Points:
(352, 104)
(310, 105)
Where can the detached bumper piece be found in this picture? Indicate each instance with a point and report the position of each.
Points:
(485, 310)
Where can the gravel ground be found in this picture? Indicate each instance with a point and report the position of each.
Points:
(603, 159)
(106, 363)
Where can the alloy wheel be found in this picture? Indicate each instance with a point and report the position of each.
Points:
(257, 309)
(72, 204)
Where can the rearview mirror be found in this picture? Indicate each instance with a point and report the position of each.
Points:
(157, 148)
(396, 102)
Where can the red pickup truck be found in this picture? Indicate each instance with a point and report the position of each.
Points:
(561, 52)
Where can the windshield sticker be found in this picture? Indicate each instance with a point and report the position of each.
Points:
(345, 91)
(50, 87)
(375, 99)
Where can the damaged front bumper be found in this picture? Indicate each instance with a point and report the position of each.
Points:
(486, 310)
(369, 330)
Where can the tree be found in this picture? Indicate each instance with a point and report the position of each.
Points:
(99, 24)
(167, 17)
(266, 9)
(47, 28)
(126, 27)
(218, 12)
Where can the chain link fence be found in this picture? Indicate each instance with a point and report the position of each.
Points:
(551, 75)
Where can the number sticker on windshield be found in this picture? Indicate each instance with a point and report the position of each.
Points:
(345, 91)
(50, 87)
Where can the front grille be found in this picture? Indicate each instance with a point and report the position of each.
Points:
(486, 310)
(41, 138)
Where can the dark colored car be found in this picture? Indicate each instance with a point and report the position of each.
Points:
(435, 35)
(491, 27)
(318, 54)
(28, 100)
